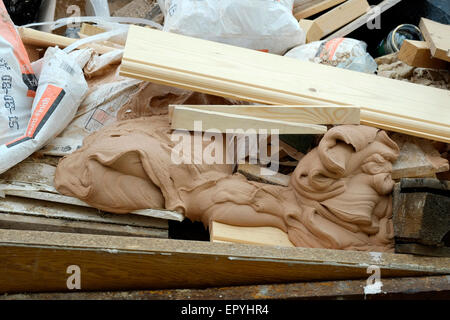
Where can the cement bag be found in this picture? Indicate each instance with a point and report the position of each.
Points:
(18, 83)
(60, 91)
(265, 25)
(343, 53)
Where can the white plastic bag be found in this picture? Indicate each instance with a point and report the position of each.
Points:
(343, 53)
(265, 25)
(60, 91)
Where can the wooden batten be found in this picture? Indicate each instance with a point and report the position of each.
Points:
(437, 36)
(250, 75)
(418, 54)
(327, 114)
(185, 118)
(335, 19)
(372, 14)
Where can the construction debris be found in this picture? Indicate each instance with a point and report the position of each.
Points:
(357, 181)
(390, 66)
(343, 53)
(148, 9)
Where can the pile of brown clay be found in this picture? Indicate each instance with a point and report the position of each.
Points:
(339, 196)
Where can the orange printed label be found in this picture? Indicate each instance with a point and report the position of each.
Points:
(42, 108)
(48, 103)
(331, 47)
(15, 141)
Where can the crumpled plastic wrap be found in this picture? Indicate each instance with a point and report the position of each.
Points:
(343, 53)
(265, 25)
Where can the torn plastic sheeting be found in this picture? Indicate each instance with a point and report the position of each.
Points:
(264, 25)
(109, 22)
(60, 91)
(343, 53)
(101, 64)
(95, 38)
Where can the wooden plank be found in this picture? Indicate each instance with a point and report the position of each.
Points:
(185, 117)
(336, 18)
(24, 192)
(40, 208)
(268, 236)
(36, 261)
(34, 180)
(253, 172)
(59, 198)
(310, 7)
(418, 54)
(375, 12)
(24, 222)
(409, 287)
(302, 114)
(45, 39)
(245, 74)
(437, 36)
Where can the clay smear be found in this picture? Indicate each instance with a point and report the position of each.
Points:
(338, 197)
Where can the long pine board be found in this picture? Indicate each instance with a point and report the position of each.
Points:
(327, 114)
(251, 75)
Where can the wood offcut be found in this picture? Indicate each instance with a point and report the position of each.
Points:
(437, 36)
(418, 54)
